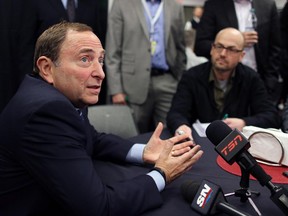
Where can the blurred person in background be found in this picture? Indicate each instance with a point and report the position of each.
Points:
(145, 57)
(222, 88)
(258, 20)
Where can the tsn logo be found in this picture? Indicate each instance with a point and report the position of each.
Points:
(204, 196)
(229, 148)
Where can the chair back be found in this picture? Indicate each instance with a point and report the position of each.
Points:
(114, 119)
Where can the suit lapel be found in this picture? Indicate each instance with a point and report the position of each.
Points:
(167, 10)
(139, 8)
(231, 13)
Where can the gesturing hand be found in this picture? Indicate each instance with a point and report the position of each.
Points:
(155, 145)
(175, 165)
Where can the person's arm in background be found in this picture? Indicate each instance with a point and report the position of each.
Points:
(114, 50)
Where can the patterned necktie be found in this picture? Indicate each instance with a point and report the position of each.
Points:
(71, 10)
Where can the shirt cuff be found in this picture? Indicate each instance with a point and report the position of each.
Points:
(158, 179)
(135, 154)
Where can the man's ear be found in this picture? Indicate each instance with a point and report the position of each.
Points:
(45, 66)
(242, 56)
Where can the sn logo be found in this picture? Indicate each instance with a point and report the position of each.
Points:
(204, 195)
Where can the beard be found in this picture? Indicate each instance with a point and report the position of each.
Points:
(221, 65)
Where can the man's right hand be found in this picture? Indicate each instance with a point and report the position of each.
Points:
(119, 99)
(250, 37)
(175, 165)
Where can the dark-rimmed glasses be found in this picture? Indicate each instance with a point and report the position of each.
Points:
(230, 50)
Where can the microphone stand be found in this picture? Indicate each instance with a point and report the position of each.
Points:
(243, 192)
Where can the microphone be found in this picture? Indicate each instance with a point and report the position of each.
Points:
(207, 198)
(232, 146)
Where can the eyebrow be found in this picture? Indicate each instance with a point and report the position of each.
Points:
(88, 50)
(227, 46)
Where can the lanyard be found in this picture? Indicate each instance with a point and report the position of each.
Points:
(155, 18)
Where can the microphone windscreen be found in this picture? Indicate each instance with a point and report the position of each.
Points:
(189, 190)
(217, 131)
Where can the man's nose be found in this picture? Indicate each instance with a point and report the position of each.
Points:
(98, 71)
(224, 51)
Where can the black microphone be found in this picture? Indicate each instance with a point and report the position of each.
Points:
(207, 198)
(232, 146)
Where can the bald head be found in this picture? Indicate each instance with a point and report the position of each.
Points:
(227, 51)
(231, 35)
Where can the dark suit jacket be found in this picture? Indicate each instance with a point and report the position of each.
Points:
(11, 14)
(219, 14)
(247, 99)
(46, 166)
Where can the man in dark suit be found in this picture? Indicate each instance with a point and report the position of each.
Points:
(47, 142)
(222, 88)
(265, 40)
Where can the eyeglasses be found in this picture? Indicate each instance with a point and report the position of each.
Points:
(230, 50)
